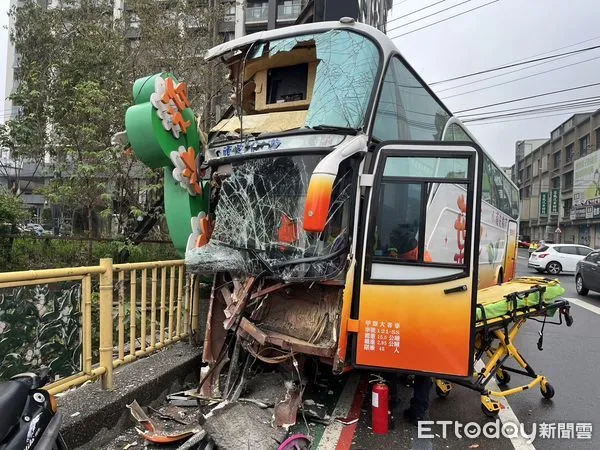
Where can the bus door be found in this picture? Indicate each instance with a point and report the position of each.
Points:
(416, 305)
(511, 251)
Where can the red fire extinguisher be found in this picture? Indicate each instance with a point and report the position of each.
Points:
(380, 406)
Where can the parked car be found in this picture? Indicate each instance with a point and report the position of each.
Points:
(557, 258)
(587, 274)
(36, 228)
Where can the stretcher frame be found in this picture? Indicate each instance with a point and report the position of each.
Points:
(495, 339)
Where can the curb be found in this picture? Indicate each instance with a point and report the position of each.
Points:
(93, 417)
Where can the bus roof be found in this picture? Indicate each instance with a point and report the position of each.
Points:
(384, 41)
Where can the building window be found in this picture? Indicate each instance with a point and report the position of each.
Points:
(598, 138)
(257, 11)
(527, 172)
(569, 153)
(555, 182)
(584, 145)
(557, 160)
(527, 192)
(568, 180)
(520, 180)
(567, 205)
(288, 9)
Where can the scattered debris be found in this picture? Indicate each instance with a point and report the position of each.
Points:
(286, 410)
(75, 414)
(167, 416)
(259, 403)
(474, 446)
(154, 433)
(346, 420)
(193, 441)
(131, 444)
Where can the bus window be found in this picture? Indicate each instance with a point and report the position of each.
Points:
(421, 212)
(487, 193)
(503, 198)
(455, 132)
(398, 221)
(406, 110)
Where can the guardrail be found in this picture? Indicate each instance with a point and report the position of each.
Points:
(159, 290)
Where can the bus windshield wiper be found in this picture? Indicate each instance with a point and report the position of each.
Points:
(335, 128)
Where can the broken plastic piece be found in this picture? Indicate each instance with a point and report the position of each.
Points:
(296, 442)
(164, 437)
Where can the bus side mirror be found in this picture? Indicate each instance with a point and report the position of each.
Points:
(318, 200)
(320, 187)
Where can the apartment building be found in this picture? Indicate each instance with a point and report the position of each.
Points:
(559, 183)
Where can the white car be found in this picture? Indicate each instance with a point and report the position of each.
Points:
(556, 258)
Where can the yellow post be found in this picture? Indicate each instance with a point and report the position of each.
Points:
(153, 308)
(171, 302)
(179, 298)
(132, 311)
(143, 307)
(121, 314)
(186, 304)
(106, 322)
(163, 304)
(86, 313)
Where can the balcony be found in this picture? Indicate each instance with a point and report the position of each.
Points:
(257, 14)
(288, 12)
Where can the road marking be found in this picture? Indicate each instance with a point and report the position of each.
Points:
(584, 304)
(506, 414)
(333, 432)
(523, 257)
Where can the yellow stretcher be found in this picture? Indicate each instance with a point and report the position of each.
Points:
(501, 312)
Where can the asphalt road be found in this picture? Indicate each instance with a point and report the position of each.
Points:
(570, 361)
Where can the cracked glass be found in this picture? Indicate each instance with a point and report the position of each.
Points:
(260, 212)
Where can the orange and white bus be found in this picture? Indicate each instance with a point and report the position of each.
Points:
(353, 216)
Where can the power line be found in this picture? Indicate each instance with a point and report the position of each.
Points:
(446, 19)
(528, 97)
(521, 78)
(507, 66)
(424, 17)
(562, 102)
(527, 118)
(535, 110)
(517, 70)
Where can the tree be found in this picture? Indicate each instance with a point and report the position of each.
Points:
(78, 63)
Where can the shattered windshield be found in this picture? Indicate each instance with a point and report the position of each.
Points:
(312, 81)
(260, 212)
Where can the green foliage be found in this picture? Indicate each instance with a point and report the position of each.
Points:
(27, 253)
(39, 326)
(12, 210)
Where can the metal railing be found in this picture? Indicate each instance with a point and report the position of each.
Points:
(160, 291)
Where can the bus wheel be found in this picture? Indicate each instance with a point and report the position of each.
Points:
(500, 277)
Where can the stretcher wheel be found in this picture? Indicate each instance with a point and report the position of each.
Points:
(442, 388)
(547, 390)
(490, 407)
(489, 413)
(502, 377)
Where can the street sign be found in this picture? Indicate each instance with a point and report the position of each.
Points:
(554, 199)
(558, 230)
(543, 204)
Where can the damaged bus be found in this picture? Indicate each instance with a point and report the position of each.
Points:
(347, 215)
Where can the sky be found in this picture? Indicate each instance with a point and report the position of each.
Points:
(502, 32)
